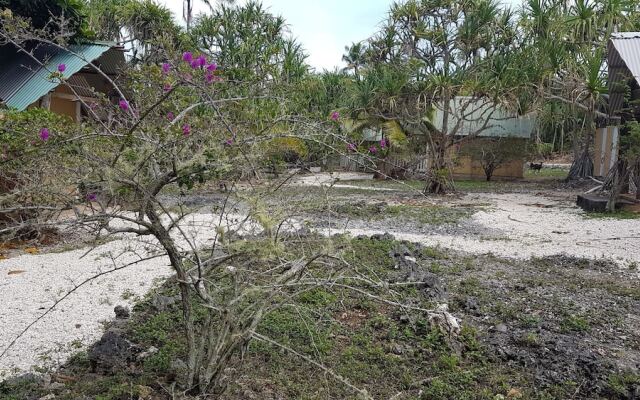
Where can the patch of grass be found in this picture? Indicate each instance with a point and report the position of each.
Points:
(619, 214)
(530, 339)
(530, 321)
(621, 384)
(546, 174)
(435, 252)
(157, 329)
(160, 362)
(476, 185)
(296, 328)
(574, 323)
(362, 209)
(426, 214)
(317, 297)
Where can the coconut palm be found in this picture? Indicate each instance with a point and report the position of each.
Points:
(354, 57)
(187, 9)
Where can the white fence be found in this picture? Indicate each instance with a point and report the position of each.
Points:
(363, 163)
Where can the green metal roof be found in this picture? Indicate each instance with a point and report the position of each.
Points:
(36, 82)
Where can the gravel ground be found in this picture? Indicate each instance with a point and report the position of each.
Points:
(514, 225)
(31, 284)
(526, 225)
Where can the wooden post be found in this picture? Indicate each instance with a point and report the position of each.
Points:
(78, 111)
(45, 101)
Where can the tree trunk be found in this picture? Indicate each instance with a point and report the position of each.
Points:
(619, 180)
(175, 258)
(439, 179)
(582, 166)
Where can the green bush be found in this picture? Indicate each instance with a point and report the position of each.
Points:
(544, 150)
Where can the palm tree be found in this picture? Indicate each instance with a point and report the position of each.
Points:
(187, 9)
(354, 57)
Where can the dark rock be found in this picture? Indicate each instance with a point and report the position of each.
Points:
(471, 303)
(431, 285)
(410, 271)
(502, 328)
(403, 258)
(112, 352)
(122, 312)
(597, 203)
(384, 236)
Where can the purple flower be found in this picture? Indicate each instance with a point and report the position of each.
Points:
(351, 147)
(166, 67)
(335, 115)
(383, 143)
(209, 77)
(186, 129)
(166, 87)
(187, 56)
(170, 116)
(212, 67)
(91, 197)
(202, 60)
(373, 149)
(229, 142)
(44, 134)
(61, 67)
(195, 64)
(124, 105)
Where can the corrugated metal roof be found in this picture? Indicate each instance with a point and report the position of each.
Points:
(627, 54)
(17, 67)
(623, 59)
(26, 81)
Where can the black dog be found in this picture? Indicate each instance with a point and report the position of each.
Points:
(535, 166)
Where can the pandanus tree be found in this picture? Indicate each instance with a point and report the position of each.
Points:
(441, 55)
(144, 26)
(574, 66)
(250, 42)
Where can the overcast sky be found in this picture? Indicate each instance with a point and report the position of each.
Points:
(324, 27)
